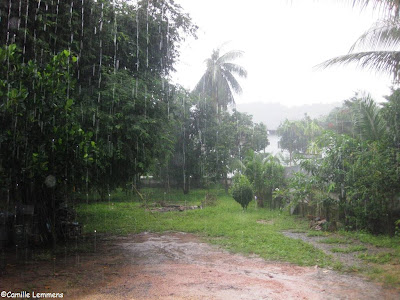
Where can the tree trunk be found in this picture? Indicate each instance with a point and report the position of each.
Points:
(186, 186)
(226, 183)
(260, 202)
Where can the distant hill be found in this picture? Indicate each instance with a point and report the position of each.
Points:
(272, 114)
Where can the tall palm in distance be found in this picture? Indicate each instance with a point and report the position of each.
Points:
(382, 42)
(219, 82)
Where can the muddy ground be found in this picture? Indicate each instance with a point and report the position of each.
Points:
(181, 266)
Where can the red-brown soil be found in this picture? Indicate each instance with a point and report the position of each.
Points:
(181, 266)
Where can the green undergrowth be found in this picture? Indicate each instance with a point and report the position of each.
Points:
(225, 224)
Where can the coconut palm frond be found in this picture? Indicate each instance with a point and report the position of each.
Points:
(203, 84)
(234, 68)
(229, 56)
(233, 83)
(381, 61)
(384, 34)
(391, 6)
(370, 123)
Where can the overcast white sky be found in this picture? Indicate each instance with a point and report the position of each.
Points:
(283, 40)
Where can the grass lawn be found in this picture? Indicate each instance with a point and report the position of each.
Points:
(224, 224)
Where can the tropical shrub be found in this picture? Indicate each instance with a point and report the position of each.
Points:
(242, 191)
(265, 173)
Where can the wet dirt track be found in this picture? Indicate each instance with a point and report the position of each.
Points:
(180, 266)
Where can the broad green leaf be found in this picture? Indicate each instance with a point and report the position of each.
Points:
(69, 103)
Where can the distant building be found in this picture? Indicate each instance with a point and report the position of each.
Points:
(273, 139)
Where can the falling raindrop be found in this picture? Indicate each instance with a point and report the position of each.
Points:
(25, 31)
(159, 30)
(137, 39)
(147, 34)
(8, 22)
(95, 238)
(145, 101)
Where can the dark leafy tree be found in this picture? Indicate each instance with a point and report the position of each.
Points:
(44, 150)
(93, 76)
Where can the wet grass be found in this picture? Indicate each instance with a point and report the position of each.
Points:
(380, 258)
(225, 224)
(317, 233)
(334, 240)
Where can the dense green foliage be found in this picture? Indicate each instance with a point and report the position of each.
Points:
(356, 180)
(85, 98)
(298, 137)
(43, 145)
(209, 147)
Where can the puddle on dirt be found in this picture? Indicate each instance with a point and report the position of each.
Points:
(181, 266)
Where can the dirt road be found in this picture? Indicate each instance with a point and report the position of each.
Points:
(180, 266)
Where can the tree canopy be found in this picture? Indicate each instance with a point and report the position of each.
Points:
(86, 102)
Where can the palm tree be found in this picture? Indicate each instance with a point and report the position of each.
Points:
(370, 123)
(382, 40)
(219, 81)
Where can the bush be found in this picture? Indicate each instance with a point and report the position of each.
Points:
(242, 191)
